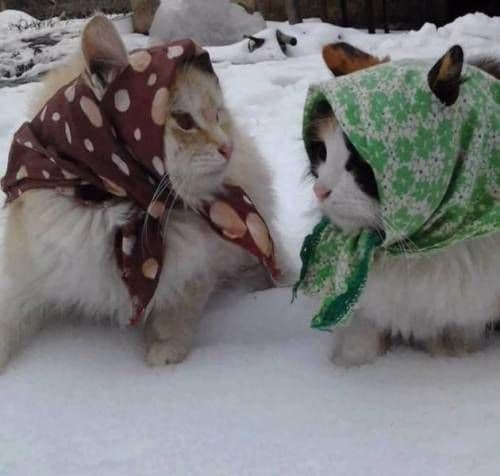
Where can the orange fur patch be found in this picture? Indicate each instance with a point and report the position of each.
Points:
(343, 58)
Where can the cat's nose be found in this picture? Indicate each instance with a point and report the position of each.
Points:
(321, 192)
(226, 150)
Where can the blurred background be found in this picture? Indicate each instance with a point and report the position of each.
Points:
(393, 14)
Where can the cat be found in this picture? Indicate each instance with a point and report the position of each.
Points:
(444, 303)
(57, 255)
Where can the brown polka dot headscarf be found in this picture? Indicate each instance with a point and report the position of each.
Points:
(113, 150)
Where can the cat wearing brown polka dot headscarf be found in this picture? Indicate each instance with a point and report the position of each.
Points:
(68, 248)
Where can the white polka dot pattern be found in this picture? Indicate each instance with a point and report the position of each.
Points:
(159, 107)
(140, 60)
(259, 233)
(92, 112)
(89, 145)
(113, 188)
(225, 217)
(67, 131)
(137, 134)
(156, 209)
(152, 79)
(22, 173)
(175, 51)
(56, 116)
(128, 244)
(68, 175)
(122, 100)
(150, 268)
(120, 163)
(70, 92)
(42, 114)
(158, 165)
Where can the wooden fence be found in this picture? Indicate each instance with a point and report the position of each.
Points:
(398, 14)
(42, 9)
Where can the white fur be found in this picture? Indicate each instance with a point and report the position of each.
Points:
(418, 297)
(59, 256)
(347, 206)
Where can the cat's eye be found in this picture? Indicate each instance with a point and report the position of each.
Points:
(321, 151)
(318, 151)
(361, 171)
(184, 120)
(317, 155)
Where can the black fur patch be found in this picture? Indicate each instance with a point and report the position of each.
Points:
(444, 77)
(487, 64)
(317, 156)
(254, 43)
(361, 171)
(316, 149)
(203, 63)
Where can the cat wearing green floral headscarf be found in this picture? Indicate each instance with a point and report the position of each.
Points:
(406, 161)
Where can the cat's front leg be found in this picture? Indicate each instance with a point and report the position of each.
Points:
(169, 331)
(359, 342)
(21, 314)
(457, 341)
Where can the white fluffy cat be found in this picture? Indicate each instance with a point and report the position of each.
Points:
(57, 256)
(444, 302)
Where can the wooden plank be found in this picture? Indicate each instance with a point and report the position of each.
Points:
(385, 15)
(371, 16)
(293, 11)
(260, 5)
(324, 10)
(345, 18)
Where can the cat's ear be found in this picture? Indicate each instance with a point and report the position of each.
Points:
(445, 76)
(343, 58)
(103, 50)
(254, 42)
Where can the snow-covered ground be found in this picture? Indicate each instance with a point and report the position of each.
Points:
(258, 396)
(217, 22)
(30, 48)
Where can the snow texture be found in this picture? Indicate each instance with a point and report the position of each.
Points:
(259, 395)
(30, 48)
(479, 33)
(14, 17)
(214, 22)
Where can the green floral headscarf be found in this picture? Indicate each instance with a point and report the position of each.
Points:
(437, 169)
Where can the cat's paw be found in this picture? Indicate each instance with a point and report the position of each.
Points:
(160, 353)
(4, 352)
(359, 344)
(456, 341)
(355, 353)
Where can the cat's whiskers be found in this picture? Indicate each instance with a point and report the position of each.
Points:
(407, 243)
(164, 182)
(177, 190)
(406, 247)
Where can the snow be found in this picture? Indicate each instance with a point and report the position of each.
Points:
(217, 22)
(259, 395)
(239, 53)
(14, 17)
(29, 48)
(478, 32)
